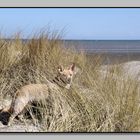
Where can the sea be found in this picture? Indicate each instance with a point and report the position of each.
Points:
(113, 51)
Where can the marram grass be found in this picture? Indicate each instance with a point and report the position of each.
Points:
(97, 101)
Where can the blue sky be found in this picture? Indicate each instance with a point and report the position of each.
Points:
(78, 23)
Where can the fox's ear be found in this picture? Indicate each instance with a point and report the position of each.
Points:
(72, 67)
(60, 68)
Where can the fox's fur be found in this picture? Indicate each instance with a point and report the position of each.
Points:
(38, 92)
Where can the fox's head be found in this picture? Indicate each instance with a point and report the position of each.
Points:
(67, 74)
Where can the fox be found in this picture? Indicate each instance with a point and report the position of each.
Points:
(37, 92)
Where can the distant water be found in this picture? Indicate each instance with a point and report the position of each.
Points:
(111, 46)
(112, 51)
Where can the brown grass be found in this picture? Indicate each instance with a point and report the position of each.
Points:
(95, 103)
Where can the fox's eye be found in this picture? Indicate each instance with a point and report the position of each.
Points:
(60, 70)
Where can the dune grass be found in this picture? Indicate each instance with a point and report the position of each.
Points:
(97, 102)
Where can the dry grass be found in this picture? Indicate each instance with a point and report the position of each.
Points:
(95, 103)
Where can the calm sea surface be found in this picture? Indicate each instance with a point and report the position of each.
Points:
(105, 45)
(113, 51)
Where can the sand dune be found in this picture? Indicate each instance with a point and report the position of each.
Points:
(129, 69)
